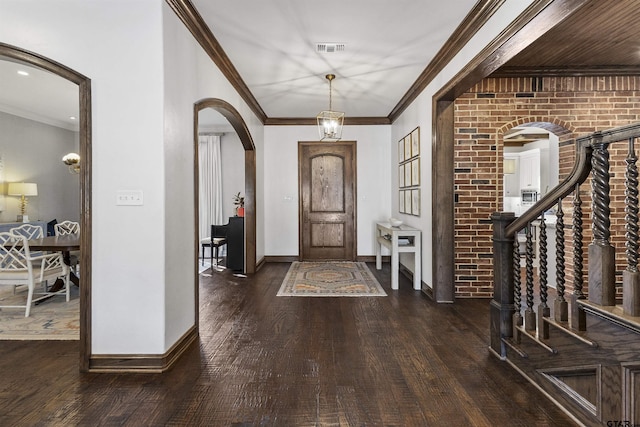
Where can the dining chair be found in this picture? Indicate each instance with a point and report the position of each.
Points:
(19, 267)
(69, 227)
(29, 231)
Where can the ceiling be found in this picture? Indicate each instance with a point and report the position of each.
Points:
(38, 95)
(271, 45)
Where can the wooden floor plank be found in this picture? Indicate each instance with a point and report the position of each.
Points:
(264, 360)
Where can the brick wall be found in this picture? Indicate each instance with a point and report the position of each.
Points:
(570, 107)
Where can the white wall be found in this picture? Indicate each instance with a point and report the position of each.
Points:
(32, 152)
(118, 45)
(142, 136)
(189, 76)
(420, 113)
(281, 184)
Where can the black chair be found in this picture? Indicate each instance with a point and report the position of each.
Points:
(218, 238)
(51, 227)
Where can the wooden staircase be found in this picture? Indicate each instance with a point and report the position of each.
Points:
(581, 346)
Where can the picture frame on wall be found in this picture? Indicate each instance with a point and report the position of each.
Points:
(407, 147)
(415, 142)
(415, 172)
(407, 175)
(415, 201)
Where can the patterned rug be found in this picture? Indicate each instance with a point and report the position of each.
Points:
(330, 279)
(53, 319)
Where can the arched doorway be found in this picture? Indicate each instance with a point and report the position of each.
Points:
(84, 90)
(237, 122)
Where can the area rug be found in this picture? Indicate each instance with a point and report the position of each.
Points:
(52, 319)
(330, 279)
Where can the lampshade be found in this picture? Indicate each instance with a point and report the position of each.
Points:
(22, 189)
(330, 122)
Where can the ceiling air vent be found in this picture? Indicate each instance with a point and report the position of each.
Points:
(329, 47)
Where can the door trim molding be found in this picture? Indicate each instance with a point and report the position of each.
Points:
(84, 92)
(237, 122)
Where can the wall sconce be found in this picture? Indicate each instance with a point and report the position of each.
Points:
(22, 189)
(73, 161)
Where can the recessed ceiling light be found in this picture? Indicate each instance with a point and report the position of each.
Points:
(23, 73)
(72, 117)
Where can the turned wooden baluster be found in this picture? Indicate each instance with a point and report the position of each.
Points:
(631, 277)
(560, 306)
(529, 314)
(578, 317)
(543, 308)
(601, 254)
(517, 291)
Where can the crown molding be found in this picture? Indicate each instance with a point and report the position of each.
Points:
(312, 121)
(475, 19)
(190, 17)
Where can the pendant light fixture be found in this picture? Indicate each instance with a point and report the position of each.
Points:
(330, 122)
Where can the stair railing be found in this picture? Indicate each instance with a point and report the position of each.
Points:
(507, 321)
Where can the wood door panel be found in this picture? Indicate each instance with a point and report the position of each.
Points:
(327, 184)
(327, 176)
(327, 235)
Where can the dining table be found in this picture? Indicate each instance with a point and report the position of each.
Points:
(65, 244)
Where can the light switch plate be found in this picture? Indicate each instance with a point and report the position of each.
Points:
(129, 198)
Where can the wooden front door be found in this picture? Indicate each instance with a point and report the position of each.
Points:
(327, 179)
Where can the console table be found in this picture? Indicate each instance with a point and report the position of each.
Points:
(398, 240)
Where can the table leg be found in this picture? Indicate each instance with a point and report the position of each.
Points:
(395, 262)
(417, 274)
(59, 283)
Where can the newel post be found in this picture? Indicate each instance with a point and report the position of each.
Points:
(502, 308)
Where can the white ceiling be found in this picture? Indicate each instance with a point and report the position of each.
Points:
(272, 44)
(40, 95)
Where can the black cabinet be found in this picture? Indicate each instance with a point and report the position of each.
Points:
(235, 243)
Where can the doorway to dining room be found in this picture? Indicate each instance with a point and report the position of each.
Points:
(83, 107)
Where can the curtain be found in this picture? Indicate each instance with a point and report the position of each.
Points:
(210, 167)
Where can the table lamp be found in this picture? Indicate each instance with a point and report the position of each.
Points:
(22, 189)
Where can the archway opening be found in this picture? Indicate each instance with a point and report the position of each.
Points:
(84, 143)
(236, 121)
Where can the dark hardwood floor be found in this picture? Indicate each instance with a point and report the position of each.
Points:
(263, 360)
